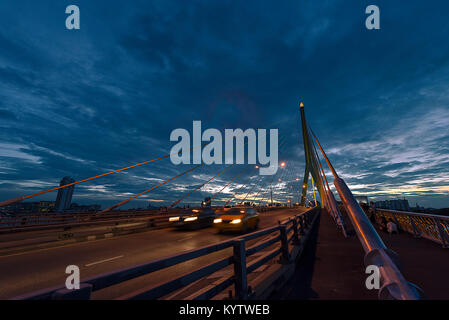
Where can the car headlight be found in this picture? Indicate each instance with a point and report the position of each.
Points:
(235, 221)
(219, 220)
(190, 219)
(173, 219)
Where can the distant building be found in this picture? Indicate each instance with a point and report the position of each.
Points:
(362, 199)
(74, 207)
(64, 197)
(21, 207)
(151, 207)
(46, 206)
(29, 207)
(398, 204)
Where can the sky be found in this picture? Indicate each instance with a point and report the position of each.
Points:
(83, 102)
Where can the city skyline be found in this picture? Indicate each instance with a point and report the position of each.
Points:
(103, 97)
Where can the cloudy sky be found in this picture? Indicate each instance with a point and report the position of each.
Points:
(83, 102)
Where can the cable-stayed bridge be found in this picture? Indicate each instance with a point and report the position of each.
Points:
(306, 246)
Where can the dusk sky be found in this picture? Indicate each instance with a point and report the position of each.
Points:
(83, 102)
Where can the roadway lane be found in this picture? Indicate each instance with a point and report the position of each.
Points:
(34, 270)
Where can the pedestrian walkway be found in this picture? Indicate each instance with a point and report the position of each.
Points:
(332, 266)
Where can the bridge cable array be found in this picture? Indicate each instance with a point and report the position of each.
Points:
(146, 191)
(202, 185)
(21, 198)
(394, 285)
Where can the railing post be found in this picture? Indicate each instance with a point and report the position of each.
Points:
(416, 232)
(241, 285)
(302, 228)
(441, 233)
(396, 220)
(285, 258)
(295, 231)
(305, 220)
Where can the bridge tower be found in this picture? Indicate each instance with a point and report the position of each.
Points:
(311, 162)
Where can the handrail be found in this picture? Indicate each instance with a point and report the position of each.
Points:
(430, 226)
(301, 223)
(417, 214)
(394, 285)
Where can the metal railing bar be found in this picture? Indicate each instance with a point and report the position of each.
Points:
(216, 289)
(262, 246)
(259, 234)
(256, 264)
(163, 289)
(107, 280)
(416, 214)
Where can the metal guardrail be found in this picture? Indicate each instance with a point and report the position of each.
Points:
(429, 226)
(290, 231)
(75, 222)
(10, 224)
(29, 220)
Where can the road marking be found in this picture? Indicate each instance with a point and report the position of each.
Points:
(101, 261)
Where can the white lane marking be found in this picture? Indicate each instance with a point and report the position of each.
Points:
(101, 261)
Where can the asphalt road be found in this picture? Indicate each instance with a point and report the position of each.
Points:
(34, 270)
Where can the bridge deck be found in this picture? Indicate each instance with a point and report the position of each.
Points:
(424, 262)
(332, 267)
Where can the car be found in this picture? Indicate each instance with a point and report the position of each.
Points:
(239, 219)
(194, 218)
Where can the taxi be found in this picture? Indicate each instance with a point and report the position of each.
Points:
(193, 218)
(238, 219)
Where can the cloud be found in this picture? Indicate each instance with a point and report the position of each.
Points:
(17, 151)
(107, 96)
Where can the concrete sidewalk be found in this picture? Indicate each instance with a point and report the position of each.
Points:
(424, 262)
(331, 269)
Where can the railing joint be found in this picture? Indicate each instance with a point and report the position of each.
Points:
(240, 272)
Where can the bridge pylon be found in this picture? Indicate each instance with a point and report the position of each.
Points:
(311, 162)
